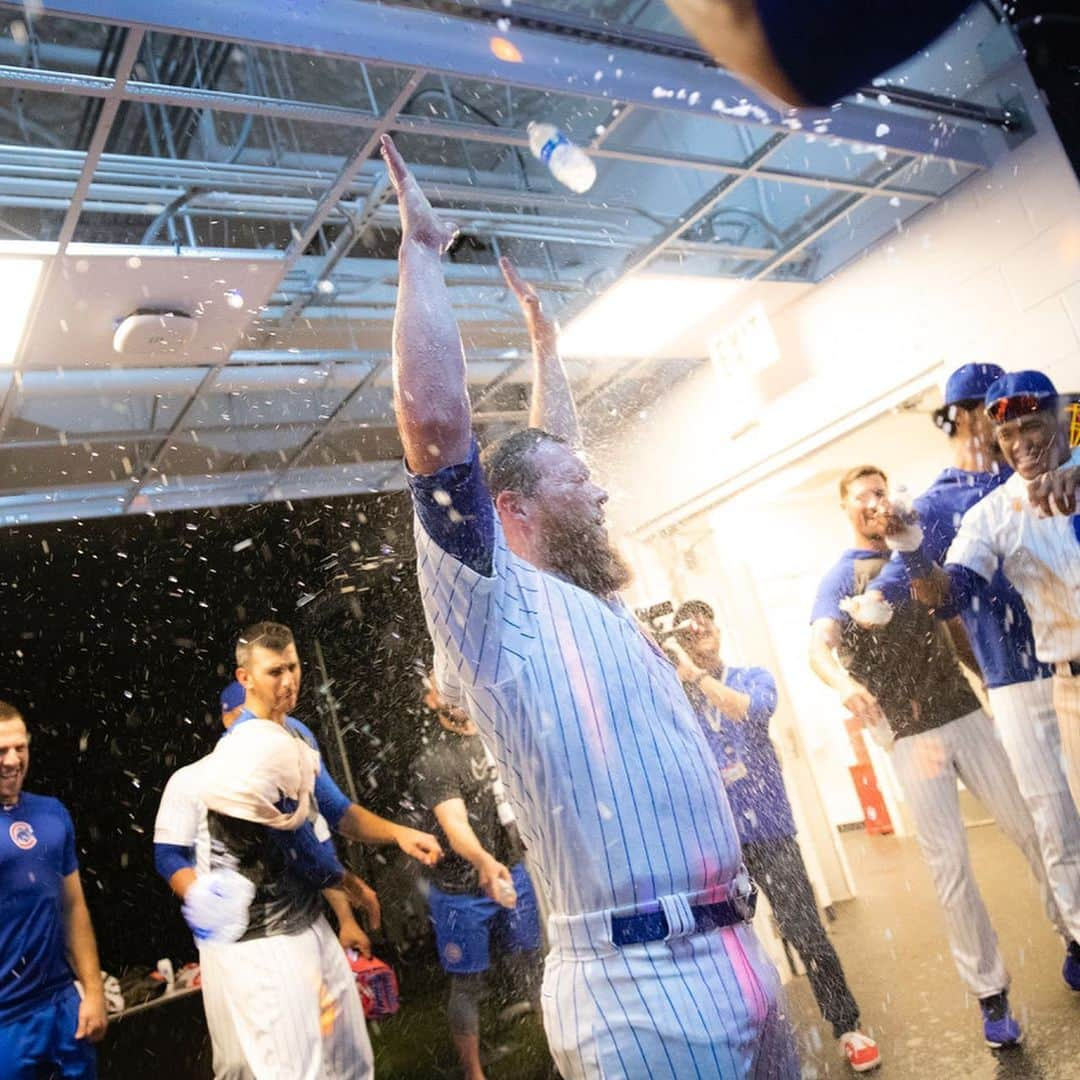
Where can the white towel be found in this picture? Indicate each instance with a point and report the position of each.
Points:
(253, 767)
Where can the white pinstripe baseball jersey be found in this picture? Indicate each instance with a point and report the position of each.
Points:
(615, 791)
(1040, 556)
(181, 816)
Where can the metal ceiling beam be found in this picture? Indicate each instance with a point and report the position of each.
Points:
(418, 125)
(413, 38)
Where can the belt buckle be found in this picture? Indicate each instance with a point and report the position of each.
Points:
(745, 904)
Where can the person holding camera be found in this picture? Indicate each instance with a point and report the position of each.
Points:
(734, 706)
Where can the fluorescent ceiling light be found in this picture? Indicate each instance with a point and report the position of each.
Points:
(641, 314)
(18, 284)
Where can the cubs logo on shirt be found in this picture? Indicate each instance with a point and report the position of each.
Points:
(22, 835)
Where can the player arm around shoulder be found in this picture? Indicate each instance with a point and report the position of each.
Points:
(83, 955)
(495, 878)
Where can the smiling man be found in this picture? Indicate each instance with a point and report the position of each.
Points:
(47, 1027)
(1029, 528)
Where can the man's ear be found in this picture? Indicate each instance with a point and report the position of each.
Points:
(510, 504)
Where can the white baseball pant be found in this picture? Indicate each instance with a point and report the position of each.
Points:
(284, 1008)
(696, 1005)
(1027, 723)
(1067, 704)
(927, 766)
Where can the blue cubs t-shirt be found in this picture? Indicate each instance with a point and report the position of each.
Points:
(746, 756)
(995, 618)
(37, 851)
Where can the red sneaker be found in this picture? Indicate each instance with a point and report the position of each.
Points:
(860, 1050)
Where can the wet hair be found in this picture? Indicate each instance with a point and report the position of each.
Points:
(693, 609)
(508, 463)
(858, 473)
(274, 636)
(9, 712)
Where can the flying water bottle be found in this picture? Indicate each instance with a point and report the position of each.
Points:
(569, 164)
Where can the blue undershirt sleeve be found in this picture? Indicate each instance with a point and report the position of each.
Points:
(455, 510)
(168, 858)
(312, 861)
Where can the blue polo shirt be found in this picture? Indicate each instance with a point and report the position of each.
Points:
(748, 763)
(37, 851)
(994, 617)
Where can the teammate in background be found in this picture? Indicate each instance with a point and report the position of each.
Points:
(46, 1027)
(1028, 529)
(999, 629)
(255, 1016)
(654, 969)
(902, 680)
(734, 706)
(481, 889)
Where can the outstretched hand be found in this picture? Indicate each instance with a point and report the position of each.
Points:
(1054, 492)
(419, 222)
(527, 296)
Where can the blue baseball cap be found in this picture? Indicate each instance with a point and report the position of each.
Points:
(1020, 393)
(232, 697)
(967, 386)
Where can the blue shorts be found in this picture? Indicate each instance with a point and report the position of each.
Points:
(43, 1038)
(465, 922)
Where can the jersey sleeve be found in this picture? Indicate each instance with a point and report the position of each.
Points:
(829, 48)
(835, 586)
(69, 861)
(973, 546)
(177, 821)
(479, 598)
(761, 688)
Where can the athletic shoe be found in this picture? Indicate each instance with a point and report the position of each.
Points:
(999, 1026)
(860, 1050)
(1071, 971)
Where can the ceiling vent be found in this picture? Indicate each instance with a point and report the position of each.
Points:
(154, 333)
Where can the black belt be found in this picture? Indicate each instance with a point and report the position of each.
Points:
(1072, 665)
(653, 925)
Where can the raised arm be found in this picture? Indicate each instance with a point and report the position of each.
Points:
(362, 825)
(553, 407)
(431, 397)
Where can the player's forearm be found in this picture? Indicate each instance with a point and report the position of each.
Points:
(826, 666)
(340, 906)
(552, 408)
(82, 948)
(730, 702)
(431, 401)
(732, 32)
(463, 840)
(367, 828)
(182, 880)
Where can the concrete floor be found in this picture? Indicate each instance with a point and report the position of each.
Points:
(892, 943)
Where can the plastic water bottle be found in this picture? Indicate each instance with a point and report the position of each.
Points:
(569, 164)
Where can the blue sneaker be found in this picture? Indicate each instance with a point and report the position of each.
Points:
(999, 1026)
(1071, 971)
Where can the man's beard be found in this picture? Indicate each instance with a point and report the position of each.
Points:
(582, 553)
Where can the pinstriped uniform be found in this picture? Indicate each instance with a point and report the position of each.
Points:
(279, 1007)
(621, 806)
(1041, 557)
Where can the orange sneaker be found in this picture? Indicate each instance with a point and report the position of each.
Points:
(860, 1050)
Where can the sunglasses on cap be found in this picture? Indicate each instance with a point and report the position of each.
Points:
(1009, 408)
